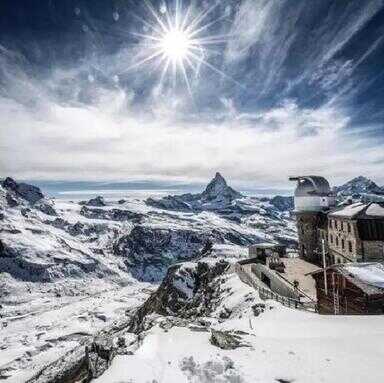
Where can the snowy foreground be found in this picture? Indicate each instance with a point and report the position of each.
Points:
(70, 269)
(74, 274)
(280, 345)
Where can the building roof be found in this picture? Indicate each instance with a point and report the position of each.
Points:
(370, 210)
(369, 277)
(311, 185)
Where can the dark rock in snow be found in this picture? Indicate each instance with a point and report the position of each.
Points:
(11, 201)
(218, 190)
(282, 203)
(156, 248)
(111, 214)
(46, 208)
(187, 291)
(225, 340)
(28, 192)
(170, 203)
(97, 201)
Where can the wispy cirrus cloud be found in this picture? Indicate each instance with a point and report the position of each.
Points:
(92, 120)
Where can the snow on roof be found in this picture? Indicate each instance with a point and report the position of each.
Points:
(370, 273)
(266, 245)
(374, 209)
(349, 210)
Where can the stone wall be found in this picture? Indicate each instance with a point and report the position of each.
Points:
(343, 241)
(346, 246)
(308, 225)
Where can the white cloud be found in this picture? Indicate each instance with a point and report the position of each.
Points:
(105, 143)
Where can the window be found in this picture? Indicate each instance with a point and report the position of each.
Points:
(349, 227)
(331, 238)
(342, 244)
(337, 241)
(350, 246)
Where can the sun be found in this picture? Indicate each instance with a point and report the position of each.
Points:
(176, 45)
(178, 41)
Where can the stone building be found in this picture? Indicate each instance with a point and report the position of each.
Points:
(313, 200)
(356, 233)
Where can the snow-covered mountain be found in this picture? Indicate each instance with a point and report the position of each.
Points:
(217, 196)
(358, 186)
(73, 254)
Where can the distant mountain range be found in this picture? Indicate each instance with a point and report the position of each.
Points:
(358, 186)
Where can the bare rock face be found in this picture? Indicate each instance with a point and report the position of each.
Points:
(218, 190)
(46, 208)
(149, 251)
(282, 203)
(97, 201)
(188, 291)
(30, 193)
(111, 214)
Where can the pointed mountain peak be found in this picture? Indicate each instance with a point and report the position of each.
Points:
(218, 187)
(359, 185)
(218, 179)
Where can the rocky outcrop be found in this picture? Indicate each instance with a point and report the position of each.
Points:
(156, 248)
(79, 228)
(97, 202)
(282, 203)
(226, 340)
(189, 290)
(30, 193)
(111, 214)
(46, 208)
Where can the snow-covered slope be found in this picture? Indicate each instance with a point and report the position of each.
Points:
(57, 252)
(231, 335)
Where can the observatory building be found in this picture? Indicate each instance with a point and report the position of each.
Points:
(313, 199)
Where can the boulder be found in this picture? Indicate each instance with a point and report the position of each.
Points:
(225, 340)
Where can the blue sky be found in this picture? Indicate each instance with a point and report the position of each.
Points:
(288, 87)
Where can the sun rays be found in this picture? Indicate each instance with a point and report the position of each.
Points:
(178, 41)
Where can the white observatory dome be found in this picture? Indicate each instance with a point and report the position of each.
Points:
(312, 193)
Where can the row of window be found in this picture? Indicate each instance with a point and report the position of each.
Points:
(337, 242)
(340, 225)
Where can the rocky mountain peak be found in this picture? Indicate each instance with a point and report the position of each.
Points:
(28, 192)
(218, 187)
(359, 185)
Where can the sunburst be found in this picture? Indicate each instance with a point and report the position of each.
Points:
(178, 42)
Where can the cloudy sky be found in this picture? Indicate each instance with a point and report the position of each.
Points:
(258, 90)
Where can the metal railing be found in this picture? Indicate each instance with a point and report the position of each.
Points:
(265, 293)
